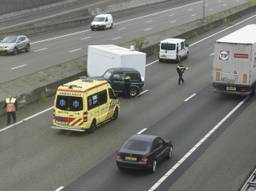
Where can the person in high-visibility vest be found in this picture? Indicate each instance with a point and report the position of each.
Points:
(11, 108)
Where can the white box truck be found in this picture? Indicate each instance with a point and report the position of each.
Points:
(234, 65)
(102, 57)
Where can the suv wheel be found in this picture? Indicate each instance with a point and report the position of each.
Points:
(133, 91)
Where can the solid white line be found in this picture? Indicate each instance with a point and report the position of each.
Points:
(118, 23)
(60, 188)
(143, 130)
(212, 54)
(147, 29)
(151, 63)
(116, 38)
(26, 119)
(74, 50)
(171, 15)
(85, 38)
(193, 15)
(193, 149)
(193, 95)
(41, 49)
(143, 92)
(17, 67)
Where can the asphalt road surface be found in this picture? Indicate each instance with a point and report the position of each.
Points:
(36, 157)
(64, 47)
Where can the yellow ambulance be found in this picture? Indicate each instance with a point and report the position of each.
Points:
(84, 104)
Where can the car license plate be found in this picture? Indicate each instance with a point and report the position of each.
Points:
(131, 158)
(231, 88)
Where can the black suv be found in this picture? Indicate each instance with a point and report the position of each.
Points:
(117, 79)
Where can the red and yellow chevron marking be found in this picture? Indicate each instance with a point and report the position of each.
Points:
(76, 122)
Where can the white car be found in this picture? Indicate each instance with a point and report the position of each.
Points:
(102, 21)
(15, 44)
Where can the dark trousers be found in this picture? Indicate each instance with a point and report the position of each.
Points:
(9, 115)
(181, 80)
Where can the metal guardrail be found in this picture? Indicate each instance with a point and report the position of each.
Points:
(250, 184)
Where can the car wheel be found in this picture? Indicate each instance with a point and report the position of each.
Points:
(92, 127)
(115, 114)
(15, 51)
(133, 91)
(154, 165)
(27, 49)
(169, 155)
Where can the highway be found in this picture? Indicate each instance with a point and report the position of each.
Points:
(36, 157)
(63, 47)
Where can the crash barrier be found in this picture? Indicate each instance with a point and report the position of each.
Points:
(250, 184)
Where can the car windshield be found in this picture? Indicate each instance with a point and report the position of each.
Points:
(69, 103)
(99, 19)
(168, 46)
(9, 39)
(107, 75)
(137, 145)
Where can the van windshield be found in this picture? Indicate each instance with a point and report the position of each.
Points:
(69, 103)
(168, 46)
(99, 19)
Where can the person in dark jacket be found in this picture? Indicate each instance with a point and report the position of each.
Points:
(180, 70)
(11, 107)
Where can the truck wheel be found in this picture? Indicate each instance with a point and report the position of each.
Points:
(133, 91)
(92, 127)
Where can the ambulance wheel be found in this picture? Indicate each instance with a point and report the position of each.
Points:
(252, 90)
(115, 114)
(92, 127)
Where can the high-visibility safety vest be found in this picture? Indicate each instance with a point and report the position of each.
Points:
(10, 104)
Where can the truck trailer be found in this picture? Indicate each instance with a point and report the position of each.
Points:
(103, 57)
(234, 64)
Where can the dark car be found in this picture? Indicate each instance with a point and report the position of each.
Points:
(143, 152)
(117, 79)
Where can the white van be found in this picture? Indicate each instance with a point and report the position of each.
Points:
(102, 21)
(173, 49)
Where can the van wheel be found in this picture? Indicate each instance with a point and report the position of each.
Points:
(115, 115)
(133, 91)
(92, 127)
(112, 24)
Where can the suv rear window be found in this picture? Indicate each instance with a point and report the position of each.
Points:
(167, 46)
(69, 103)
(134, 76)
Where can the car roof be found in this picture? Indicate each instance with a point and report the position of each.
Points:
(123, 69)
(172, 40)
(103, 15)
(143, 137)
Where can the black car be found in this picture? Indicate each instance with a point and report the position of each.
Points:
(143, 152)
(117, 77)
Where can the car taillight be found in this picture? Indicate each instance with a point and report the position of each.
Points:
(85, 116)
(144, 160)
(118, 156)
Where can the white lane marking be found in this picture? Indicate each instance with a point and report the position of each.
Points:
(85, 38)
(210, 36)
(212, 54)
(17, 67)
(210, 10)
(118, 23)
(195, 147)
(171, 15)
(60, 188)
(59, 37)
(151, 63)
(41, 49)
(193, 95)
(74, 50)
(173, 21)
(193, 15)
(149, 21)
(116, 38)
(143, 92)
(143, 130)
(26, 119)
(121, 29)
(147, 29)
